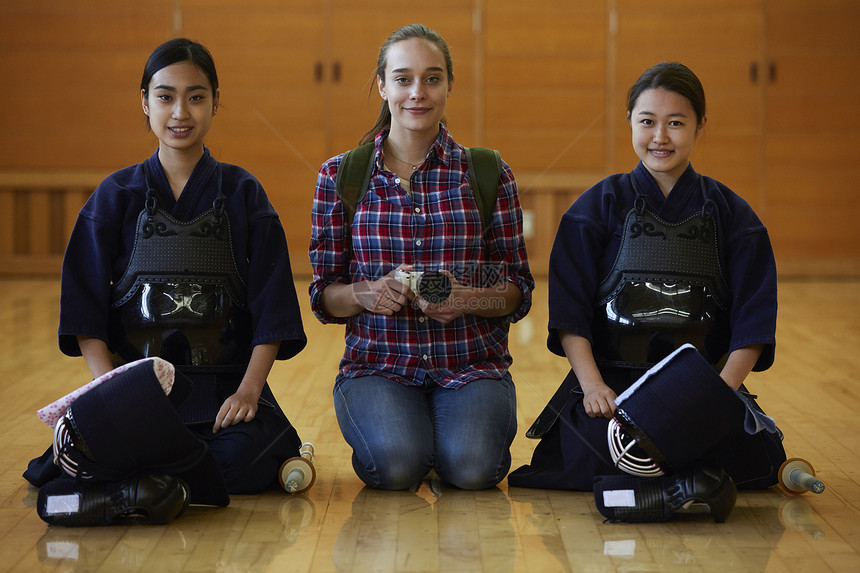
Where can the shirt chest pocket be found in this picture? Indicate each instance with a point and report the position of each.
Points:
(453, 216)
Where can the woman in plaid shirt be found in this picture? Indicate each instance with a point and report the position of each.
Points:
(422, 386)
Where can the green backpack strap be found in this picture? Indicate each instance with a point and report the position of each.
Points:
(485, 169)
(353, 178)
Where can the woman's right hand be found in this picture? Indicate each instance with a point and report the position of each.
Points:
(599, 402)
(383, 296)
(599, 399)
(386, 295)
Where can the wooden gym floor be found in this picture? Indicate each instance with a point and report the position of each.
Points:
(339, 525)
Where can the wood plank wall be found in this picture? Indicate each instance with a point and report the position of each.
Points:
(543, 81)
(37, 214)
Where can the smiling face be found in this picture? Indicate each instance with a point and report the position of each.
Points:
(180, 106)
(416, 87)
(665, 130)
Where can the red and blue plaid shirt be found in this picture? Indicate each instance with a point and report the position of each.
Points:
(436, 226)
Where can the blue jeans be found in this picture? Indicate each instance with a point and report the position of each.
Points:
(399, 433)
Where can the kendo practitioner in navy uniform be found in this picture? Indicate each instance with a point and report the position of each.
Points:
(184, 258)
(644, 262)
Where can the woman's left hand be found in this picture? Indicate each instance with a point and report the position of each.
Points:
(450, 308)
(240, 407)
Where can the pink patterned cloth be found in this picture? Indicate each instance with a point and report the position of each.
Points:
(51, 413)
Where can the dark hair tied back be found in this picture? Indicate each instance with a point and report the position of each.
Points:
(176, 51)
(673, 77)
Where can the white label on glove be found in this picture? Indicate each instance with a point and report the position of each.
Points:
(619, 498)
(62, 504)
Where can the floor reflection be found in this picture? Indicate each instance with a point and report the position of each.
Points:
(430, 529)
(583, 540)
(435, 529)
(799, 515)
(254, 532)
(297, 512)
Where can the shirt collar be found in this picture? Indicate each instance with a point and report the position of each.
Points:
(195, 186)
(440, 150)
(686, 182)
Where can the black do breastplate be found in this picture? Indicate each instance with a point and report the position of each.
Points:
(181, 296)
(666, 288)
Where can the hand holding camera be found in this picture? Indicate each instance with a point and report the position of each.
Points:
(432, 286)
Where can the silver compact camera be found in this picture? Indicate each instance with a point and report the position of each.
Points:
(432, 286)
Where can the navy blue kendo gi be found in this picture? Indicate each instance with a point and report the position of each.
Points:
(241, 303)
(589, 294)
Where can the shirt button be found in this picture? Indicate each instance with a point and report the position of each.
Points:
(417, 209)
(397, 180)
(420, 319)
(418, 242)
(424, 357)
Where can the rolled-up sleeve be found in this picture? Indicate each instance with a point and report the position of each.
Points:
(506, 248)
(326, 251)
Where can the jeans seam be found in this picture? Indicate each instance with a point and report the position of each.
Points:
(360, 434)
(511, 416)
